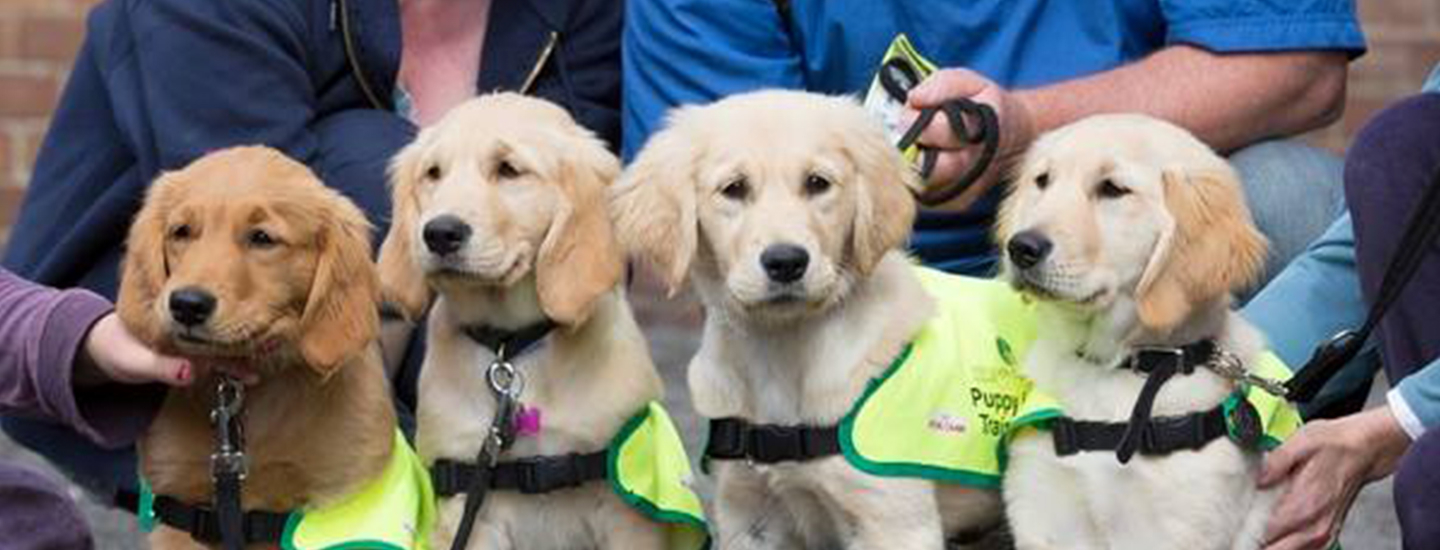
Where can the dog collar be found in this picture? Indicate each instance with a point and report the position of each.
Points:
(512, 342)
(1184, 359)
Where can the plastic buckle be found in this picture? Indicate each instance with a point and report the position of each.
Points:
(771, 444)
(544, 474)
(1064, 435)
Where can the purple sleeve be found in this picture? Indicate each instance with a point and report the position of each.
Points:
(35, 512)
(41, 331)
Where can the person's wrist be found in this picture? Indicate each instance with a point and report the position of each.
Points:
(1385, 440)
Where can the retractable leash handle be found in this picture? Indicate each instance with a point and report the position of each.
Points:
(1420, 235)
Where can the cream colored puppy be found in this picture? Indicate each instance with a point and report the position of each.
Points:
(787, 211)
(500, 209)
(1130, 233)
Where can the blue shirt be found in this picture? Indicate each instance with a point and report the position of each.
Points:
(695, 51)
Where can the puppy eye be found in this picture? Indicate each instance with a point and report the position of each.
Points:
(433, 172)
(259, 238)
(1110, 190)
(506, 171)
(816, 184)
(180, 232)
(1043, 180)
(736, 190)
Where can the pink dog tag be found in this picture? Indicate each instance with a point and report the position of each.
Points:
(527, 421)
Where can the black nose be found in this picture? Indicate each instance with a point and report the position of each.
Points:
(191, 306)
(445, 234)
(1028, 248)
(784, 263)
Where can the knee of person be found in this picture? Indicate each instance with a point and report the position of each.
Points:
(1398, 146)
(1294, 194)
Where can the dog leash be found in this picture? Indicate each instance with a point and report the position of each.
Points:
(1420, 234)
(506, 385)
(898, 77)
(228, 465)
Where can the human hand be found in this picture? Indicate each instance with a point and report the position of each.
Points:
(956, 157)
(112, 353)
(1326, 463)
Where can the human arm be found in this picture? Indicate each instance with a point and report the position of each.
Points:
(1227, 100)
(56, 350)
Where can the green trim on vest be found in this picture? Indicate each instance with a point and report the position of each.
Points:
(394, 511)
(650, 471)
(939, 411)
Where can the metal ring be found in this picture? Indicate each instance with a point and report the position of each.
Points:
(512, 383)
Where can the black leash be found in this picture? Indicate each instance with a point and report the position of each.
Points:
(506, 385)
(898, 77)
(738, 439)
(1420, 233)
(227, 464)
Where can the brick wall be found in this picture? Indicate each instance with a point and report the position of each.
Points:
(38, 39)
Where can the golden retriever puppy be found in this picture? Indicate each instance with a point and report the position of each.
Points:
(1130, 234)
(787, 212)
(499, 212)
(245, 259)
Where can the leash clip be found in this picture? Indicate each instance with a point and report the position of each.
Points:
(1229, 366)
(229, 456)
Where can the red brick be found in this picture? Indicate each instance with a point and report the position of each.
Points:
(27, 95)
(6, 158)
(10, 198)
(51, 37)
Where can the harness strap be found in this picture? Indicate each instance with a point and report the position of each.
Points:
(1158, 436)
(531, 476)
(736, 439)
(203, 523)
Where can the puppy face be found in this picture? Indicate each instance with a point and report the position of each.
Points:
(783, 199)
(1127, 206)
(245, 253)
(503, 187)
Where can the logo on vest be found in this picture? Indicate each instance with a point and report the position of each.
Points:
(946, 422)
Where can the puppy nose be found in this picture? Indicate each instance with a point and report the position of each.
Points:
(784, 263)
(445, 234)
(1028, 248)
(191, 306)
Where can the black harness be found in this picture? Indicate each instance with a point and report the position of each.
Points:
(737, 439)
(532, 475)
(1158, 436)
(223, 521)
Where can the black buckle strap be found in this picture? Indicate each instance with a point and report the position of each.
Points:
(1185, 359)
(1158, 436)
(736, 439)
(531, 476)
(203, 523)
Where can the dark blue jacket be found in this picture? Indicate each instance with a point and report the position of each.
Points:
(161, 82)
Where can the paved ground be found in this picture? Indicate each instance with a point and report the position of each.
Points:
(673, 338)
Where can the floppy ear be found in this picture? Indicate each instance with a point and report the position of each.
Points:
(579, 259)
(402, 283)
(653, 207)
(884, 206)
(143, 270)
(1212, 250)
(341, 316)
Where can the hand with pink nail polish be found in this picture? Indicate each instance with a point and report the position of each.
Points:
(112, 353)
